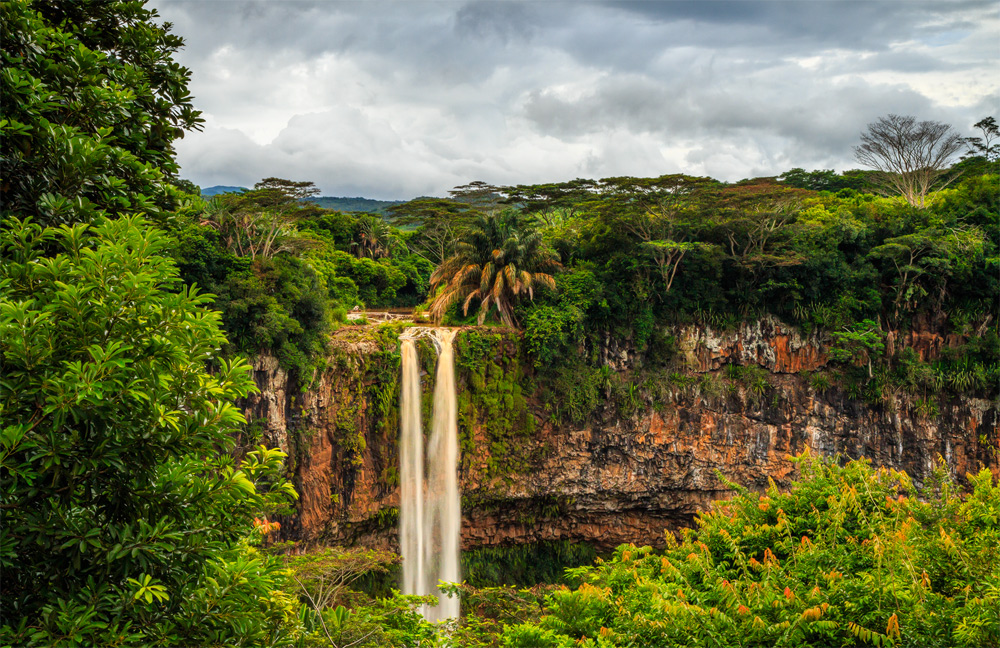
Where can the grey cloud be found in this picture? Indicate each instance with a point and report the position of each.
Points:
(804, 120)
(505, 21)
(396, 99)
(635, 102)
(838, 22)
(989, 105)
(904, 62)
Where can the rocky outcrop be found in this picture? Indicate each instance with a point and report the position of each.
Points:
(628, 474)
(627, 480)
(766, 342)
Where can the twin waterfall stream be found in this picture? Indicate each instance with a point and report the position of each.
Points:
(430, 515)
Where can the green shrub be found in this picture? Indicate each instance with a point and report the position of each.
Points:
(849, 556)
(119, 491)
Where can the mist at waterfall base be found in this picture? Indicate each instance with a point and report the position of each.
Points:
(430, 514)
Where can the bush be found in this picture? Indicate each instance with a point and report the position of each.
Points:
(850, 556)
(126, 520)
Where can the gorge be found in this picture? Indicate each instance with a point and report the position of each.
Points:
(729, 406)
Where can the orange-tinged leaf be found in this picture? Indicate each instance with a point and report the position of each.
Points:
(892, 629)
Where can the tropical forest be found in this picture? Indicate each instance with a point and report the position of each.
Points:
(625, 411)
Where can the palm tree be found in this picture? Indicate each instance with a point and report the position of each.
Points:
(497, 260)
(375, 239)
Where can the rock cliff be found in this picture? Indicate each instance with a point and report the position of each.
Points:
(647, 458)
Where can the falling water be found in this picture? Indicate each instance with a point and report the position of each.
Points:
(411, 475)
(430, 513)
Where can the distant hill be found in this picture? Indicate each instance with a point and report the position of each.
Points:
(221, 189)
(338, 203)
(358, 204)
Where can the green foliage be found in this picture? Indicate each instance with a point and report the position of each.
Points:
(357, 205)
(524, 565)
(987, 146)
(493, 393)
(572, 391)
(499, 260)
(821, 260)
(338, 608)
(860, 342)
(555, 330)
(487, 610)
(437, 224)
(827, 180)
(282, 272)
(119, 491)
(971, 368)
(93, 102)
(277, 304)
(850, 556)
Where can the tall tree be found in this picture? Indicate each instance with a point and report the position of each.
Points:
(257, 233)
(438, 223)
(987, 145)
(125, 519)
(499, 260)
(554, 201)
(92, 105)
(280, 192)
(375, 239)
(911, 157)
(757, 218)
(479, 195)
(123, 512)
(661, 214)
(263, 222)
(925, 259)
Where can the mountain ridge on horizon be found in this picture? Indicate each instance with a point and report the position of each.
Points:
(338, 203)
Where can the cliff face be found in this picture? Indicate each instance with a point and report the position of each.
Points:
(645, 461)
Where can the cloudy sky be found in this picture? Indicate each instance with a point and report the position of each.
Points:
(393, 100)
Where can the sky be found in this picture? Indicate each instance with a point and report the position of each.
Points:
(393, 100)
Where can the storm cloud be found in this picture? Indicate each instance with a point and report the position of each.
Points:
(399, 99)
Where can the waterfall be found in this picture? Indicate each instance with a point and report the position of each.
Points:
(411, 474)
(430, 515)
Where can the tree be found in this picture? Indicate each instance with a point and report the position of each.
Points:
(323, 578)
(125, 517)
(825, 179)
(479, 195)
(563, 198)
(498, 260)
(911, 157)
(984, 146)
(926, 258)
(375, 239)
(661, 213)
(126, 520)
(92, 104)
(263, 222)
(650, 208)
(438, 221)
(860, 342)
(757, 217)
(278, 192)
(253, 231)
